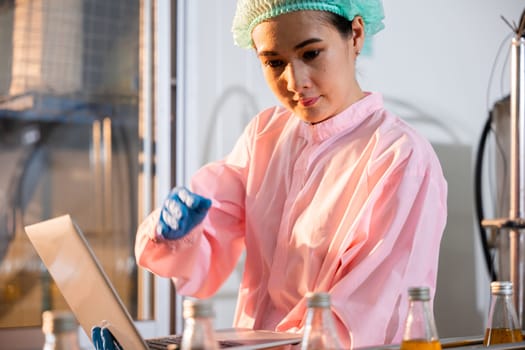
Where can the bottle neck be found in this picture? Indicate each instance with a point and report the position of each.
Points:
(198, 322)
(420, 323)
(199, 334)
(320, 332)
(320, 316)
(502, 313)
(62, 341)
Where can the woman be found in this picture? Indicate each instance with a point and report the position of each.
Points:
(328, 192)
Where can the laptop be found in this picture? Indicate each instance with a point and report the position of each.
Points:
(92, 298)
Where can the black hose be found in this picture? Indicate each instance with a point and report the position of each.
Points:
(478, 195)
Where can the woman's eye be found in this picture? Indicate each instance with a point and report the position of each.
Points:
(310, 55)
(274, 63)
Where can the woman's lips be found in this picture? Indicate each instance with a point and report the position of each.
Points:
(307, 102)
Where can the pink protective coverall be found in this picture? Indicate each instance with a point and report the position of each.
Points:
(355, 205)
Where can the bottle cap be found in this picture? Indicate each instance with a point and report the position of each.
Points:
(318, 299)
(419, 293)
(57, 321)
(197, 308)
(501, 287)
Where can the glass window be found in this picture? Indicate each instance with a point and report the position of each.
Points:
(69, 142)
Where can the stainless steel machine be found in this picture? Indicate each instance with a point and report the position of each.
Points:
(508, 231)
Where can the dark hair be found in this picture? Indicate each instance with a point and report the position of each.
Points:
(343, 26)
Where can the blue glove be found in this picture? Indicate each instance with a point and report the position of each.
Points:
(181, 212)
(103, 339)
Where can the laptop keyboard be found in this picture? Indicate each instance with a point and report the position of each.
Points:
(174, 341)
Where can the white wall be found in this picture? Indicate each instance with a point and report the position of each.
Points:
(437, 57)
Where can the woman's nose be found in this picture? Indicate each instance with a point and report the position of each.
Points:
(297, 78)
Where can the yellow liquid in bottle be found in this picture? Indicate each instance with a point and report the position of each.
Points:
(420, 345)
(502, 335)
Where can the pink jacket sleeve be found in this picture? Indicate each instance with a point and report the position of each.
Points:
(217, 257)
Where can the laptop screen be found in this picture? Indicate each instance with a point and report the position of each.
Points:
(81, 279)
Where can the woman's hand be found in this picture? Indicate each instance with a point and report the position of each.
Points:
(181, 212)
(103, 339)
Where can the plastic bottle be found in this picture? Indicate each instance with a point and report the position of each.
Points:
(502, 323)
(61, 330)
(319, 331)
(199, 332)
(420, 327)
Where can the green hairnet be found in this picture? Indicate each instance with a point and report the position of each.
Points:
(249, 13)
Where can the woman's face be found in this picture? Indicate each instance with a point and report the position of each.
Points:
(308, 64)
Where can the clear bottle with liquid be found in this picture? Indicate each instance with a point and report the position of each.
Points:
(502, 322)
(61, 330)
(420, 327)
(319, 331)
(199, 332)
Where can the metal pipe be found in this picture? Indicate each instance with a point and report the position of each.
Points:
(180, 117)
(517, 174)
(145, 190)
(96, 154)
(107, 163)
(162, 138)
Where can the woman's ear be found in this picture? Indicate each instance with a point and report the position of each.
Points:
(358, 34)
